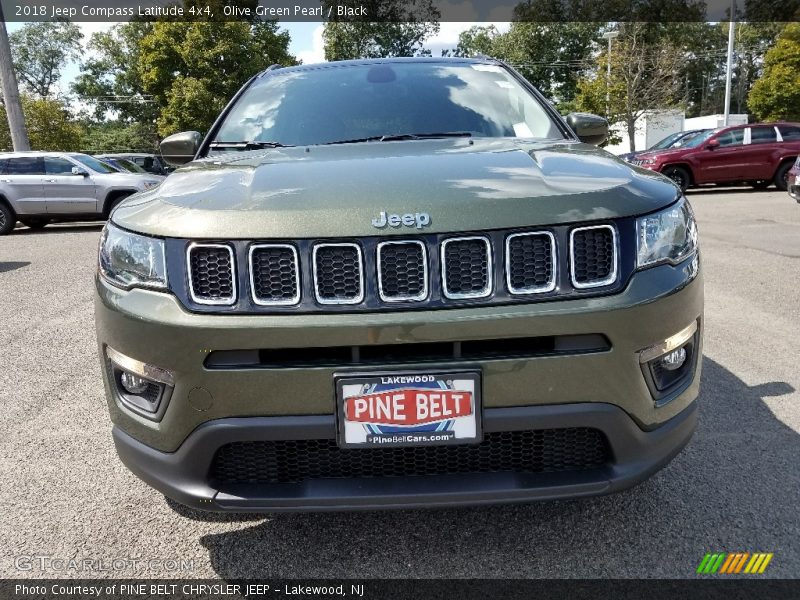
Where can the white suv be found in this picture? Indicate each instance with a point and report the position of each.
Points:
(39, 187)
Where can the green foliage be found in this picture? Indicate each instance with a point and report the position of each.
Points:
(395, 28)
(776, 94)
(49, 124)
(118, 136)
(40, 51)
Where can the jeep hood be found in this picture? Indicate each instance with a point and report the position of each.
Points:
(337, 190)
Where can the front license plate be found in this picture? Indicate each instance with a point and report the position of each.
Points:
(408, 409)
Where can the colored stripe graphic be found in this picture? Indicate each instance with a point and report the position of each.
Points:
(734, 562)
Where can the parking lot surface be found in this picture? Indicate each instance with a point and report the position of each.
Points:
(65, 496)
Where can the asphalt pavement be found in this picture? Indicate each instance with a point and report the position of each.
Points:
(68, 508)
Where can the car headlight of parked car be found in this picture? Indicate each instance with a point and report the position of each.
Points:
(132, 260)
(667, 236)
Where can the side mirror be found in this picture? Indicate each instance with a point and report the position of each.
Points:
(589, 128)
(79, 171)
(712, 144)
(180, 148)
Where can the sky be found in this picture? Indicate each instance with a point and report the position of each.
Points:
(306, 41)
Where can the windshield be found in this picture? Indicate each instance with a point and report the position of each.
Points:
(93, 163)
(700, 138)
(667, 141)
(129, 166)
(353, 102)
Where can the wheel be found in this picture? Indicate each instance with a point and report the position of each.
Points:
(114, 202)
(781, 180)
(35, 222)
(760, 185)
(7, 220)
(679, 175)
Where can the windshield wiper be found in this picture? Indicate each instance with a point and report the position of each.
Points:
(404, 136)
(246, 145)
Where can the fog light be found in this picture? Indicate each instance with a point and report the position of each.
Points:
(674, 360)
(133, 384)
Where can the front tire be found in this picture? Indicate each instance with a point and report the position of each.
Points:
(679, 175)
(35, 223)
(113, 202)
(781, 180)
(7, 220)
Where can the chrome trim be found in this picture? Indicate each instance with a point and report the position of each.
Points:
(289, 302)
(220, 302)
(140, 368)
(358, 299)
(418, 297)
(533, 290)
(489, 264)
(600, 282)
(671, 343)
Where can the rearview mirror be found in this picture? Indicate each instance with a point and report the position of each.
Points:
(589, 128)
(79, 171)
(180, 148)
(712, 144)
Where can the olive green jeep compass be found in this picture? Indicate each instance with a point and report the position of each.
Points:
(395, 283)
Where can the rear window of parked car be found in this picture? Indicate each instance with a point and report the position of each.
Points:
(763, 135)
(789, 132)
(24, 165)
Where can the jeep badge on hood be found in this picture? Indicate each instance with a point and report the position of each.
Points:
(418, 220)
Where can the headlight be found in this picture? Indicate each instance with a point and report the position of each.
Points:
(667, 236)
(131, 260)
(149, 185)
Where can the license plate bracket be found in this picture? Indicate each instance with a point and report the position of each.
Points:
(408, 408)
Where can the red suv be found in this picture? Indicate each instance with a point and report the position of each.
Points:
(755, 154)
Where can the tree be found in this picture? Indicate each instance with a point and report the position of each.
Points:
(644, 77)
(40, 52)
(50, 126)
(776, 94)
(119, 136)
(392, 28)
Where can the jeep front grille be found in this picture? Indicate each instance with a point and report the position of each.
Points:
(466, 267)
(426, 271)
(402, 271)
(593, 256)
(212, 274)
(274, 274)
(338, 273)
(522, 452)
(530, 262)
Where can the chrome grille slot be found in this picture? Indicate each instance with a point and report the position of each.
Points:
(338, 273)
(212, 274)
(402, 271)
(466, 267)
(531, 262)
(593, 256)
(274, 274)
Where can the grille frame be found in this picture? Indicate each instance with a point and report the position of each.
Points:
(425, 272)
(490, 267)
(612, 277)
(295, 300)
(234, 276)
(361, 267)
(551, 285)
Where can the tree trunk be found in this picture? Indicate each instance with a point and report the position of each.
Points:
(16, 118)
(631, 123)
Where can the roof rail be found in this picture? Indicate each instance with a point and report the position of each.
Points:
(268, 69)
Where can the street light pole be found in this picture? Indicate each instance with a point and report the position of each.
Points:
(729, 71)
(8, 82)
(609, 35)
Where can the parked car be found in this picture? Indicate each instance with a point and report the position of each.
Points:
(398, 282)
(39, 187)
(122, 164)
(794, 180)
(675, 140)
(758, 155)
(151, 163)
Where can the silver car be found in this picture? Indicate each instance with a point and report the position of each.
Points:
(39, 187)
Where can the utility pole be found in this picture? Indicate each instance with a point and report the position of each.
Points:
(729, 71)
(16, 118)
(609, 35)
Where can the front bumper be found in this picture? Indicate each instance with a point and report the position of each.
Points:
(209, 408)
(183, 475)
